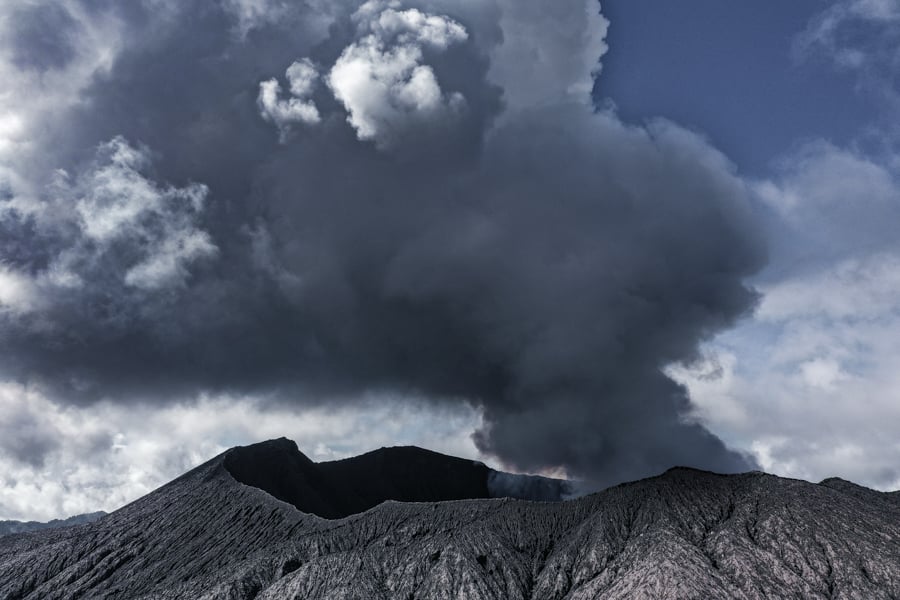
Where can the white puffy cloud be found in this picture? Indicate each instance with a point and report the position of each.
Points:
(549, 52)
(381, 78)
(853, 288)
(821, 178)
(822, 373)
(18, 293)
(382, 81)
(409, 26)
(299, 108)
(116, 203)
(167, 263)
(302, 75)
(835, 200)
(812, 397)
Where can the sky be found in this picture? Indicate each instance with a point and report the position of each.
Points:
(591, 240)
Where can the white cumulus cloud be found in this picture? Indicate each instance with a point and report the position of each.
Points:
(299, 108)
(550, 51)
(382, 81)
(18, 293)
(116, 202)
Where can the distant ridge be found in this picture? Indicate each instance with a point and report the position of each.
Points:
(10, 527)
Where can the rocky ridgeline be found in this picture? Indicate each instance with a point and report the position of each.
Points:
(683, 534)
(10, 527)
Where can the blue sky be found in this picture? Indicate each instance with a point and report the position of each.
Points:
(729, 70)
(364, 224)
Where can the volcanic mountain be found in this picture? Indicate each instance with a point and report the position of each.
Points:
(265, 522)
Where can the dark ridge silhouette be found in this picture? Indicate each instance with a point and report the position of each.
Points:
(337, 489)
(280, 469)
(406, 474)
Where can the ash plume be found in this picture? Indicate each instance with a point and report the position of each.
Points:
(330, 198)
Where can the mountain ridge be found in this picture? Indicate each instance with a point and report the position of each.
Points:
(682, 534)
(340, 488)
(10, 527)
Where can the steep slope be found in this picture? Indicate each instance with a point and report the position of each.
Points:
(280, 469)
(684, 534)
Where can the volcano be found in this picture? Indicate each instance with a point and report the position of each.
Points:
(266, 522)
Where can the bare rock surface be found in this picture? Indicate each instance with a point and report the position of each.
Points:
(683, 534)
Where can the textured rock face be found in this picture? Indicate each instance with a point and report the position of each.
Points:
(684, 534)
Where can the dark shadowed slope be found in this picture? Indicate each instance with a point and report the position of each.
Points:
(280, 469)
(407, 474)
(684, 534)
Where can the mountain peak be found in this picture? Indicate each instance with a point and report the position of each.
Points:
(339, 488)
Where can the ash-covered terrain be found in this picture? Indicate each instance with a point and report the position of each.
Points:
(265, 522)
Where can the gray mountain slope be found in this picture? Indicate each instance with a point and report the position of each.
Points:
(10, 527)
(683, 534)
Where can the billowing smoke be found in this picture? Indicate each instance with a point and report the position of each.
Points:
(312, 200)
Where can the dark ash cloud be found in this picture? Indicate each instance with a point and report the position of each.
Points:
(442, 228)
(42, 36)
(26, 439)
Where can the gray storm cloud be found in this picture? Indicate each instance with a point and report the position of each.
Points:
(350, 197)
